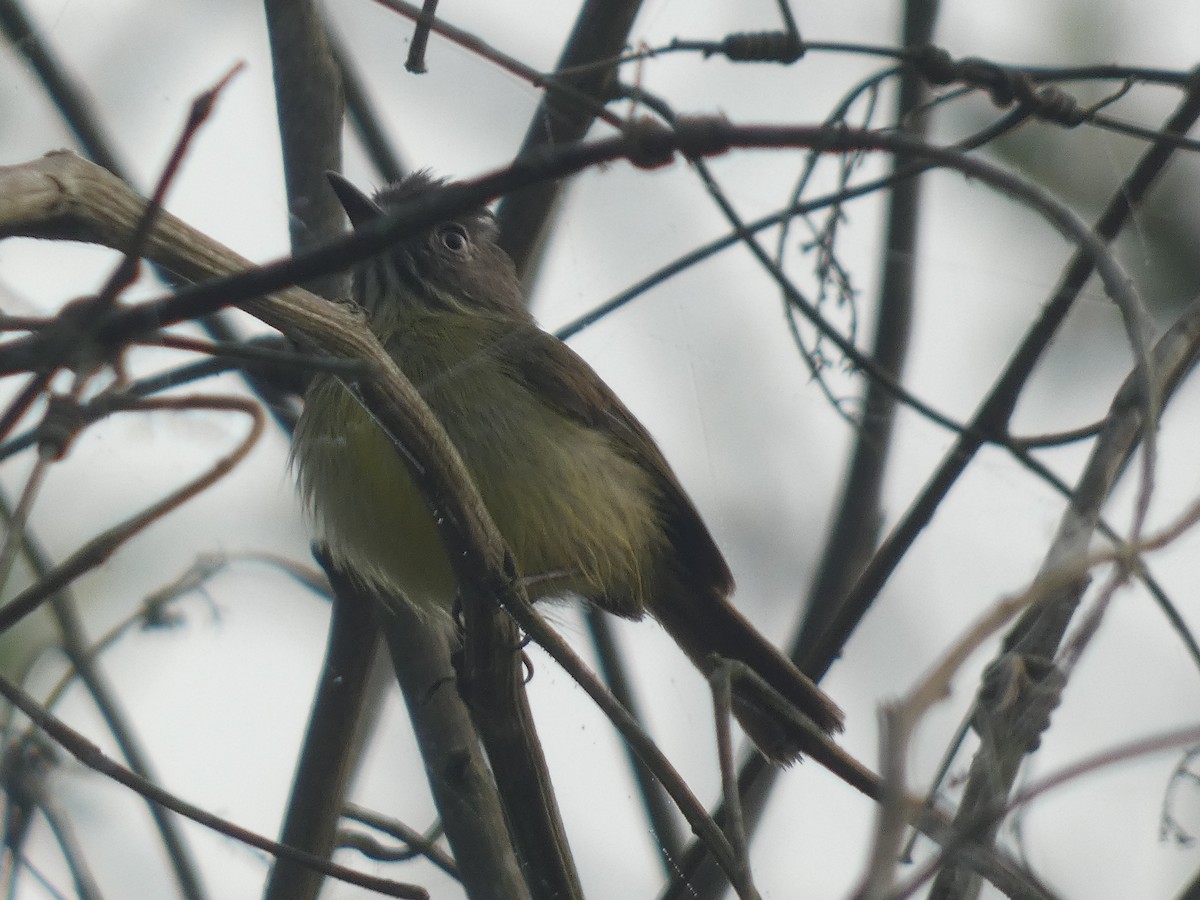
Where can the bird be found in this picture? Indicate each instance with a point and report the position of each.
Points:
(581, 493)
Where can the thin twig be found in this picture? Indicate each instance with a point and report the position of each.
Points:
(702, 824)
(90, 755)
(615, 672)
(418, 844)
(719, 681)
(101, 547)
(83, 658)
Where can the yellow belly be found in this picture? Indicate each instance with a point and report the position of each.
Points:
(567, 505)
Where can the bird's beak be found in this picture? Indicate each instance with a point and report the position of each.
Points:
(360, 208)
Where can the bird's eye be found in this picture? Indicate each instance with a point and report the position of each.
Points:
(454, 237)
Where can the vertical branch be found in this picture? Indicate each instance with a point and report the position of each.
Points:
(332, 743)
(856, 527)
(308, 99)
(491, 682)
(309, 107)
(600, 33)
(854, 532)
(462, 784)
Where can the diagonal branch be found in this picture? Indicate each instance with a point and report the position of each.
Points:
(308, 101)
(601, 32)
(1009, 727)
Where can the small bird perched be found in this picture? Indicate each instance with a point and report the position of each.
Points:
(580, 492)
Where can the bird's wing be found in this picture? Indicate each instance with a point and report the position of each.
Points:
(561, 378)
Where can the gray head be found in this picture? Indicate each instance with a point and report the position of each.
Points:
(455, 266)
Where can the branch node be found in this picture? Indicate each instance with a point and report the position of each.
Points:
(1005, 86)
(1018, 693)
(763, 46)
(649, 144)
(62, 422)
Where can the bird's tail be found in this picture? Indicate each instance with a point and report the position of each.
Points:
(703, 623)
